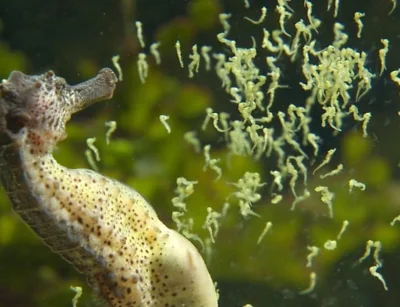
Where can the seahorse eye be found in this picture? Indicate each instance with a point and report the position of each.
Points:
(7, 94)
(16, 120)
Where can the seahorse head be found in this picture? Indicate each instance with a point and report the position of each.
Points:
(43, 104)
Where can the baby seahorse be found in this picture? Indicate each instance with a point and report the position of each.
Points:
(104, 228)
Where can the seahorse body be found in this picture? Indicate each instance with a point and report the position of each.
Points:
(105, 229)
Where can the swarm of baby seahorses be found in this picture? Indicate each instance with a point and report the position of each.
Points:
(104, 228)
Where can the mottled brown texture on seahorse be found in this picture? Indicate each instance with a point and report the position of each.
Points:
(105, 229)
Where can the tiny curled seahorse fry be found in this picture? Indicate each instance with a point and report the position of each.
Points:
(104, 228)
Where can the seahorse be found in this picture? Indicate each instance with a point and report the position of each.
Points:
(104, 228)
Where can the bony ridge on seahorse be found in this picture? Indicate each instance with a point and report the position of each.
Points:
(105, 229)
